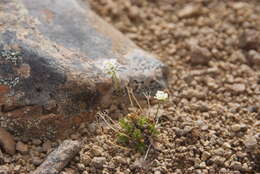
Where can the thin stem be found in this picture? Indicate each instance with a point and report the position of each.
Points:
(109, 125)
(129, 96)
(136, 101)
(148, 102)
(101, 115)
(116, 80)
(156, 115)
(110, 119)
(147, 152)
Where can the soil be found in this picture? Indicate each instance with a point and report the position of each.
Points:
(211, 123)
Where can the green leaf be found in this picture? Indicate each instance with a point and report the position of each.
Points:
(137, 134)
(121, 138)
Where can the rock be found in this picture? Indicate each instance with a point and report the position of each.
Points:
(203, 107)
(250, 142)
(22, 148)
(239, 5)
(223, 171)
(81, 166)
(199, 55)
(92, 127)
(253, 57)
(59, 158)
(75, 136)
(227, 145)
(36, 160)
(250, 39)
(189, 11)
(36, 142)
(253, 109)
(96, 150)
(120, 160)
(257, 123)
(157, 172)
(5, 170)
(190, 93)
(46, 147)
(235, 127)
(7, 142)
(205, 155)
(236, 165)
(98, 161)
(202, 165)
(218, 160)
(2, 160)
(238, 127)
(54, 66)
(86, 159)
(238, 88)
(17, 168)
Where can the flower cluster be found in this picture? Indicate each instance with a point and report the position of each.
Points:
(161, 95)
(111, 66)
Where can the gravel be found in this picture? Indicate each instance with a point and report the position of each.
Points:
(211, 122)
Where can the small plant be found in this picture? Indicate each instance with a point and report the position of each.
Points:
(136, 131)
(111, 68)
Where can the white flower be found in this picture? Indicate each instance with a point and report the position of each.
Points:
(110, 66)
(160, 95)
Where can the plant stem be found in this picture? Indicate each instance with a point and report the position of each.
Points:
(136, 101)
(129, 96)
(156, 115)
(147, 96)
(147, 152)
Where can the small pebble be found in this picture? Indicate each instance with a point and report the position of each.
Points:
(36, 142)
(250, 142)
(22, 148)
(36, 160)
(98, 161)
(238, 127)
(157, 172)
(46, 146)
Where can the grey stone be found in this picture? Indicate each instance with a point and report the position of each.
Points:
(36, 142)
(46, 147)
(249, 39)
(250, 142)
(53, 73)
(199, 55)
(98, 161)
(254, 57)
(4, 170)
(59, 158)
(36, 160)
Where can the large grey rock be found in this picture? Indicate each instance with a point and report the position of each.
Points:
(53, 55)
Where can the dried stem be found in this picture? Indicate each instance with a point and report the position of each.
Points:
(129, 96)
(147, 152)
(147, 96)
(111, 127)
(156, 115)
(136, 101)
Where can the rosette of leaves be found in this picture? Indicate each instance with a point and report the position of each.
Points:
(137, 131)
